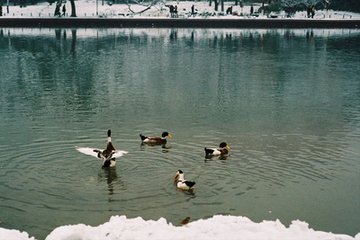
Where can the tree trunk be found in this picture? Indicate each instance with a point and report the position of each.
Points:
(57, 9)
(222, 5)
(73, 9)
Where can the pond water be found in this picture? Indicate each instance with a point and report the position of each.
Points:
(287, 102)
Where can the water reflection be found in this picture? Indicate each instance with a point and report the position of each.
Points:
(110, 176)
(221, 157)
(241, 61)
(225, 38)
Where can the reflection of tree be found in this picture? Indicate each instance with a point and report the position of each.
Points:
(56, 73)
(73, 41)
(79, 74)
(173, 34)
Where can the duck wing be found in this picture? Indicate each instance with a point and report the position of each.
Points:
(119, 153)
(94, 152)
(89, 151)
(153, 140)
(209, 151)
(190, 184)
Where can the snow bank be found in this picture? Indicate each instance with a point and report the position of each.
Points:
(93, 8)
(6, 234)
(217, 227)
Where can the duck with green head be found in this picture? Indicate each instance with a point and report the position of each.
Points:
(155, 140)
(222, 150)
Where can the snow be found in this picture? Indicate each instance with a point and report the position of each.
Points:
(93, 8)
(217, 227)
(14, 235)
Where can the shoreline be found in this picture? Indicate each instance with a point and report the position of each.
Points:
(68, 22)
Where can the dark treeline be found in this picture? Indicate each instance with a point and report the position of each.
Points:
(345, 5)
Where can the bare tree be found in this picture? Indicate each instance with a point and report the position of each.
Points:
(58, 5)
(73, 9)
(291, 6)
(146, 5)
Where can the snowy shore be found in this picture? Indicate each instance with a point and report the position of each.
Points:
(93, 8)
(217, 227)
(91, 13)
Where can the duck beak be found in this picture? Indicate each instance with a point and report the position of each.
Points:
(228, 147)
(170, 136)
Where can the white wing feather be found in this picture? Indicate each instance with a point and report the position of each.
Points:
(90, 152)
(119, 153)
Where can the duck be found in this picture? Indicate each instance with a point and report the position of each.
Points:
(181, 183)
(222, 150)
(185, 221)
(155, 140)
(108, 156)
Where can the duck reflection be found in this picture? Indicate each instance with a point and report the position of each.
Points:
(113, 181)
(221, 157)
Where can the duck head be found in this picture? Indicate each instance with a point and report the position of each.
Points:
(179, 176)
(166, 134)
(224, 145)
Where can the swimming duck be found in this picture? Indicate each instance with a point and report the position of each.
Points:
(222, 150)
(181, 183)
(156, 140)
(108, 156)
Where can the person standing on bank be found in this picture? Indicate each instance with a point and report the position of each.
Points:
(63, 10)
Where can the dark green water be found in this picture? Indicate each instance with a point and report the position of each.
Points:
(287, 101)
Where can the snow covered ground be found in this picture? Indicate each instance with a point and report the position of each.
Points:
(93, 8)
(217, 227)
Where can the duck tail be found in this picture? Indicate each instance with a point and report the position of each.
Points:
(208, 151)
(190, 184)
(142, 137)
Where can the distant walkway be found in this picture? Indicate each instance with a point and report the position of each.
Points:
(176, 23)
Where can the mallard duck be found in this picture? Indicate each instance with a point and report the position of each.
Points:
(156, 140)
(108, 156)
(181, 183)
(222, 150)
